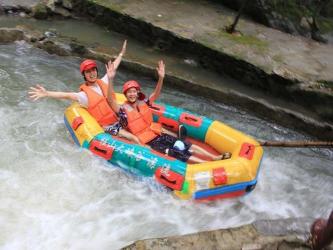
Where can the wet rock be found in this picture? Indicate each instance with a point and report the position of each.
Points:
(162, 45)
(277, 21)
(78, 48)
(13, 9)
(50, 34)
(318, 37)
(54, 48)
(62, 12)
(67, 4)
(51, 4)
(40, 11)
(54, 7)
(8, 35)
(22, 14)
(287, 73)
(245, 237)
(305, 24)
(30, 35)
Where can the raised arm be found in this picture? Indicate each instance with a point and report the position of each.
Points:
(161, 73)
(111, 72)
(119, 57)
(39, 91)
(117, 61)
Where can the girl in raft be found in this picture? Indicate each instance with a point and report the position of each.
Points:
(138, 119)
(92, 95)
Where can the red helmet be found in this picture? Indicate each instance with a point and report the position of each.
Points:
(133, 84)
(87, 64)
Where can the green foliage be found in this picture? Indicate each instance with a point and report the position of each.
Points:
(289, 8)
(246, 40)
(325, 24)
(326, 84)
(294, 10)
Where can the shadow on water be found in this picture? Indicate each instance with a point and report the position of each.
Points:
(53, 193)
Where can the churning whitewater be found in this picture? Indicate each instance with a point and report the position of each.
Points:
(54, 195)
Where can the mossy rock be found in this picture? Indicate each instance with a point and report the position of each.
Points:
(40, 11)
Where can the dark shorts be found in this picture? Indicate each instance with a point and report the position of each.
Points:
(165, 141)
(113, 129)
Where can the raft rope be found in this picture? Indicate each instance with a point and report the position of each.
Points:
(297, 144)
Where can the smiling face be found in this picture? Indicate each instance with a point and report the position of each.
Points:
(132, 95)
(90, 75)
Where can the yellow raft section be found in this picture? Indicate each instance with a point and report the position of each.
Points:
(90, 128)
(238, 169)
(225, 177)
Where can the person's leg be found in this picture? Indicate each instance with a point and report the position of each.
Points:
(181, 132)
(196, 149)
(166, 131)
(129, 136)
(195, 159)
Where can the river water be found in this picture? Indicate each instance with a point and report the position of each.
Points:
(54, 195)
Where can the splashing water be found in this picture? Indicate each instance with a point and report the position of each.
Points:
(54, 195)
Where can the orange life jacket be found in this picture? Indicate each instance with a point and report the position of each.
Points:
(140, 122)
(98, 105)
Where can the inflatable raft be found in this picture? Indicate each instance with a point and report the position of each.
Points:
(212, 180)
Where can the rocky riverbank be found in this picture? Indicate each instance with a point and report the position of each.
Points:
(290, 75)
(246, 237)
(289, 67)
(294, 17)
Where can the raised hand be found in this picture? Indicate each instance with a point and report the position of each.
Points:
(110, 70)
(37, 92)
(117, 61)
(160, 69)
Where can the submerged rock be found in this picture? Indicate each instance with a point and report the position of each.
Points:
(8, 35)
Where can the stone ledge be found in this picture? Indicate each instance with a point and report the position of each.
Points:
(279, 82)
(284, 116)
(241, 238)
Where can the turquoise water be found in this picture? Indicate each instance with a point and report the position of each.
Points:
(54, 195)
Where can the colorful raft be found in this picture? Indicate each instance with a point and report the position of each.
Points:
(205, 181)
